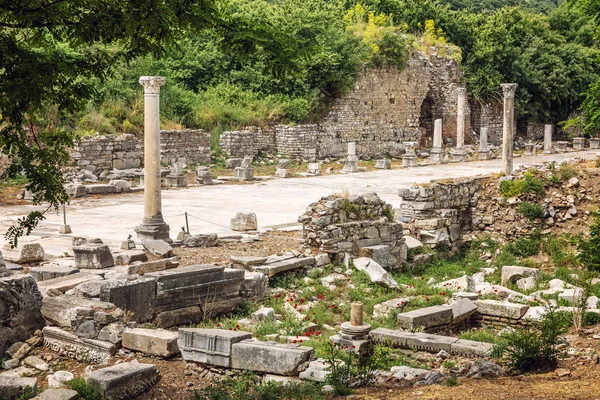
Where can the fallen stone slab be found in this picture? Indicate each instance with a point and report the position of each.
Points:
(69, 345)
(271, 357)
(471, 348)
(285, 265)
(464, 283)
(426, 318)
(511, 273)
(35, 362)
(247, 261)
(57, 394)
(121, 185)
(209, 346)
(51, 271)
(203, 240)
(159, 248)
(20, 309)
(123, 381)
(11, 387)
(501, 309)
(156, 342)
(75, 190)
(381, 254)
(24, 253)
(170, 318)
(375, 271)
(69, 311)
(407, 340)
(93, 256)
(18, 350)
(67, 282)
(462, 310)
(100, 189)
(152, 266)
(92, 289)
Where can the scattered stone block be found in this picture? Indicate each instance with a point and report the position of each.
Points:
(75, 190)
(51, 271)
(283, 173)
(136, 297)
(465, 295)
(255, 284)
(314, 169)
(244, 221)
(69, 345)
(376, 273)
(100, 189)
(317, 371)
(263, 314)
(130, 256)
(20, 305)
(462, 310)
(112, 333)
(209, 346)
(274, 268)
(158, 247)
(270, 357)
(471, 348)
(152, 266)
(464, 283)
(169, 318)
(526, 283)
(203, 240)
(247, 261)
(233, 163)
(571, 295)
(93, 256)
(406, 340)
(501, 309)
(156, 342)
(35, 362)
(10, 364)
(383, 163)
(123, 381)
(381, 254)
(18, 350)
(11, 387)
(121, 185)
(514, 273)
(69, 311)
(204, 176)
(57, 394)
(24, 253)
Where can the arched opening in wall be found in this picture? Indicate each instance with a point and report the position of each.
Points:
(426, 121)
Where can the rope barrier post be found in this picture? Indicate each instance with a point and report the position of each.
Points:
(187, 225)
(64, 229)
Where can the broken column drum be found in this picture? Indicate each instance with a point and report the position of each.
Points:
(508, 90)
(153, 226)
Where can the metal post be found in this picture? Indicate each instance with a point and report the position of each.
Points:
(187, 225)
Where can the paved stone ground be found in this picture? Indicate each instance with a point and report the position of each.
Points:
(276, 202)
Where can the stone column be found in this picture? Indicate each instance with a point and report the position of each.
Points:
(436, 152)
(509, 90)
(459, 153)
(351, 164)
(484, 150)
(153, 226)
(548, 130)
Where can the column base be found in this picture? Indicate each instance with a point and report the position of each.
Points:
(435, 156)
(153, 229)
(483, 155)
(458, 155)
(176, 181)
(409, 160)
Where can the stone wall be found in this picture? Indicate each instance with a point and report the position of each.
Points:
(386, 108)
(357, 225)
(535, 131)
(490, 114)
(437, 212)
(107, 152)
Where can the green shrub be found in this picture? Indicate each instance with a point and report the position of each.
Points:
(479, 335)
(350, 373)
(566, 172)
(248, 386)
(86, 391)
(451, 381)
(591, 318)
(534, 348)
(530, 210)
(524, 247)
(590, 249)
(515, 187)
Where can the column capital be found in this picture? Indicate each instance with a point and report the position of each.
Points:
(509, 90)
(152, 84)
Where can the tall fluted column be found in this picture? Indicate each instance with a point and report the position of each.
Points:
(509, 90)
(153, 226)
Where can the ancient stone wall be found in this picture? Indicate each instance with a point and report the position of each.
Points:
(386, 108)
(185, 146)
(358, 225)
(490, 114)
(437, 212)
(535, 130)
(107, 152)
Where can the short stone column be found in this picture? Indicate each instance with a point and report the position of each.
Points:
(383, 163)
(436, 151)
(484, 149)
(245, 172)
(153, 225)
(508, 123)
(562, 146)
(459, 153)
(595, 143)
(204, 176)
(548, 131)
(176, 178)
(579, 143)
(283, 170)
(409, 159)
(351, 164)
(354, 334)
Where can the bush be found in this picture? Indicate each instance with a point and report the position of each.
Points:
(530, 210)
(515, 187)
(86, 391)
(566, 172)
(590, 249)
(534, 348)
(349, 373)
(248, 386)
(526, 247)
